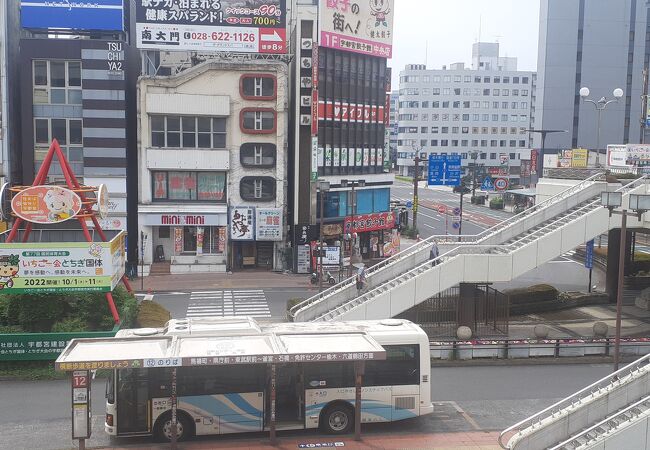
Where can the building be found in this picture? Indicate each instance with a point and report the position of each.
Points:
(481, 113)
(340, 115)
(394, 127)
(212, 166)
(599, 44)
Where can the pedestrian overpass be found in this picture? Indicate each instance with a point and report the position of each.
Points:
(502, 253)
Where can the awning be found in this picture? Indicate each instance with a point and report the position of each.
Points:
(531, 192)
(179, 351)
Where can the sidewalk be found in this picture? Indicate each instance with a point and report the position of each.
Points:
(477, 440)
(246, 279)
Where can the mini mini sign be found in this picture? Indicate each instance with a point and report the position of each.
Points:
(46, 204)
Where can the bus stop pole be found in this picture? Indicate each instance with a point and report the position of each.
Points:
(272, 433)
(358, 382)
(174, 406)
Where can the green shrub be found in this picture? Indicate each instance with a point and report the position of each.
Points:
(151, 315)
(69, 325)
(10, 329)
(532, 294)
(36, 312)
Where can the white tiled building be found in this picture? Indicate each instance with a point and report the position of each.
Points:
(212, 141)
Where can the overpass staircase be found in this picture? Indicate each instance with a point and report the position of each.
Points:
(611, 414)
(499, 254)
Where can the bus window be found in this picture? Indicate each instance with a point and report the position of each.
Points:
(329, 375)
(110, 388)
(401, 367)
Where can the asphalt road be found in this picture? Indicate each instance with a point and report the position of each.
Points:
(467, 398)
(432, 222)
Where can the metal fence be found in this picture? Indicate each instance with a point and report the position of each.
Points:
(482, 308)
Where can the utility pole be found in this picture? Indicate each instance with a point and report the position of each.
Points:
(644, 103)
(415, 191)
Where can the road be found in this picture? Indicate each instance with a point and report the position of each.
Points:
(37, 414)
(431, 222)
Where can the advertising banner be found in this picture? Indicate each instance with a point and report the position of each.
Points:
(359, 26)
(533, 162)
(52, 267)
(638, 155)
(314, 158)
(369, 222)
(178, 240)
(504, 159)
(391, 243)
(254, 26)
(268, 224)
(200, 233)
(46, 204)
(579, 157)
(241, 223)
(349, 112)
(76, 15)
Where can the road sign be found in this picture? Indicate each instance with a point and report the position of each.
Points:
(409, 204)
(444, 170)
(487, 184)
(442, 209)
(501, 184)
(589, 256)
(456, 211)
(455, 225)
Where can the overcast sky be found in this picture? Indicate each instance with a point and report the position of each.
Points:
(452, 26)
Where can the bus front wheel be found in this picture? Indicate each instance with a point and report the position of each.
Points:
(163, 428)
(337, 419)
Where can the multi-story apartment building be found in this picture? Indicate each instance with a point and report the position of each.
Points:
(394, 127)
(212, 167)
(482, 113)
(599, 44)
(340, 115)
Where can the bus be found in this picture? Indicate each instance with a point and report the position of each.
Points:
(234, 398)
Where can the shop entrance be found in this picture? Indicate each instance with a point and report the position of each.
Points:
(189, 239)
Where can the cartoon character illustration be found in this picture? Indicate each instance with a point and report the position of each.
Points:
(380, 9)
(8, 270)
(60, 203)
(95, 250)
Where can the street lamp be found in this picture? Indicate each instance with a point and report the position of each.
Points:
(474, 156)
(638, 204)
(353, 200)
(600, 107)
(323, 188)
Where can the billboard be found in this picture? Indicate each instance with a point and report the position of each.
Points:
(46, 204)
(241, 223)
(629, 155)
(78, 15)
(268, 224)
(46, 267)
(359, 26)
(254, 26)
(579, 157)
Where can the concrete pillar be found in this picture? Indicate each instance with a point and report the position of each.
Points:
(467, 306)
(613, 249)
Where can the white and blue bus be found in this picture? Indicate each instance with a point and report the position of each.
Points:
(234, 398)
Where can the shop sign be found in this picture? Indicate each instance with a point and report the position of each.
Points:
(579, 157)
(77, 15)
(370, 222)
(269, 224)
(533, 161)
(222, 239)
(200, 25)
(46, 204)
(331, 255)
(504, 159)
(502, 171)
(314, 158)
(184, 219)
(391, 243)
(113, 223)
(358, 26)
(350, 112)
(303, 265)
(102, 201)
(304, 234)
(241, 223)
(54, 267)
(199, 240)
(332, 229)
(178, 240)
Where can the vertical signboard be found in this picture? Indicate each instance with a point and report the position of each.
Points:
(268, 224)
(579, 157)
(359, 26)
(81, 411)
(241, 223)
(216, 25)
(589, 255)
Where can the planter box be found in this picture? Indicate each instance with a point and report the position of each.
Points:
(542, 349)
(519, 350)
(489, 351)
(569, 349)
(634, 348)
(442, 352)
(596, 348)
(464, 351)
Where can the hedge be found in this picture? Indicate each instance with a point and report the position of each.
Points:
(43, 313)
(531, 294)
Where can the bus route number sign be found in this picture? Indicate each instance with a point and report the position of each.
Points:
(81, 410)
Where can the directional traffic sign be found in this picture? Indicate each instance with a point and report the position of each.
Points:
(487, 184)
(501, 184)
(444, 170)
(455, 225)
(409, 204)
(589, 256)
(456, 211)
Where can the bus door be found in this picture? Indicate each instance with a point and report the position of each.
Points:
(290, 396)
(132, 401)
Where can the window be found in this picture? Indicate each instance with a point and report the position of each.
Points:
(475, 130)
(423, 129)
(435, 116)
(495, 117)
(435, 104)
(436, 78)
(476, 104)
(506, 79)
(476, 117)
(513, 143)
(484, 130)
(463, 155)
(497, 80)
(513, 130)
(486, 79)
(523, 118)
(524, 92)
(522, 143)
(445, 130)
(468, 79)
(495, 105)
(457, 78)
(444, 143)
(495, 92)
(502, 143)
(196, 186)
(434, 142)
(445, 117)
(445, 104)
(493, 155)
(513, 156)
(504, 105)
(465, 130)
(515, 80)
(477, 79)
(463, 143)
(504, 117)
(486, 117)
(486, 92)
(515, 92)
(457, 91)
(57, 82)
(257, 155)
(486, 105)
(446, 78)
(188, 132)
(68, 132)
(454, 130)
(454, 143)
(446, 91)
(435, 91)
(483, 143)
(514, 105)
(456, 117)
(257, 86)
(426, 79)
(425, 104)
(505, 92)
(259, 189)
(456, 104)
(257, 121)
(493, 143)
(465, 105)
(482, 155)
(524, 80)
(524, 105)
(477, 92)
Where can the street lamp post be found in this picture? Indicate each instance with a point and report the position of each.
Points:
(600, 106)
(323, 187)
(639, 204)
(474, 158)
(353, 200)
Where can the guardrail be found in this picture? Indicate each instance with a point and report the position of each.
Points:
(573, 399)
(534, 348)
(464, 240)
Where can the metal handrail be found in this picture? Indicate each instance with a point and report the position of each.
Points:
(465, 250)
(414, 249)
(605, 422)
(568, 401)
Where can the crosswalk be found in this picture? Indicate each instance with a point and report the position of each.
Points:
(240, 302)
